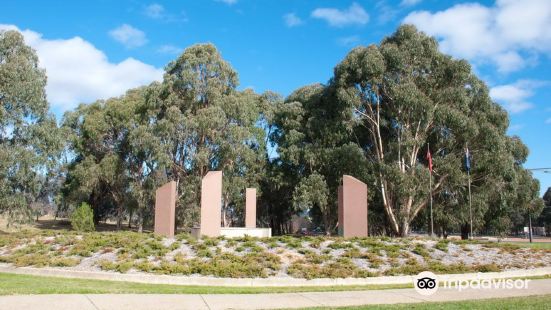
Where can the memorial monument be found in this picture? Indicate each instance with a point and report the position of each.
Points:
(211, 211)
(211, 204)
(165, 209)
(250, 208)
(352, 208)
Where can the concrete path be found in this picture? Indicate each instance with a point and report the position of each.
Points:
(260, 301)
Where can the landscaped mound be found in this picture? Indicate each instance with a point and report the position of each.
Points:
(304, 257)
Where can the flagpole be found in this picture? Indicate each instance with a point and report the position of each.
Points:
(430, 194)
(468, 166)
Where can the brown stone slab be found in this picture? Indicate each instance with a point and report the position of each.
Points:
(211, 204)
(165, 209)
(250, 208)
(352, 209)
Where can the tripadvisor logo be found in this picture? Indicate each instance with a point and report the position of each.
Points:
(426, 283)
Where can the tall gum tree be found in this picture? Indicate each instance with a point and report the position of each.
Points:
(30, 143)
(404, 95)
(205, 123)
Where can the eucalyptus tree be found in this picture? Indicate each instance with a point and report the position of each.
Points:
(316, 150)
(404, 97)
(98, 142)
(30, 141)
(545, 216)
(116, 156)
(204, 124)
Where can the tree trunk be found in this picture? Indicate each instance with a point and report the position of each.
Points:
(404, 228)
(140, 224)
(119, 219)
(130, 218)
(326, 223)
(464, 231)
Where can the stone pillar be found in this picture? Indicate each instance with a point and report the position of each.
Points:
(211, 204)
(165, 209)
(250, 208)
(352, 208)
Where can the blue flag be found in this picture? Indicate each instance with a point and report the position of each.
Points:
(467, 160)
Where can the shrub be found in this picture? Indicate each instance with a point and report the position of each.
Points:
(144, 266)
(374, 260)
(38, 260)
(442, 245)
(121, 267)
(487, 268)
(410, 267)
(316, 242)
(439, 267)
(342, 268)
(352, 253)
(314, 258)
(64, 261)
(340, 245)
(421, 250)
(82, 218)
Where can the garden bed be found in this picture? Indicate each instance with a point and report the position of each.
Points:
(285, 256)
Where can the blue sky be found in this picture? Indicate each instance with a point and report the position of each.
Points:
(97, 49)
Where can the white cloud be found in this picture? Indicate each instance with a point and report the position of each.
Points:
(169, 49)
(514, 97)
(292, 20)
(409, 2)
(355, 14)
(129, 36)
(155, 11)
(228, 2)
(79, 73)
(548, 121)
(158, 12)
(501, 34)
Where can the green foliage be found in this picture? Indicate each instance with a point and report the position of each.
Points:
(420, 249)
(339, 244)
(374, 119)
(442, 245)
(30, 141)
(82, 218)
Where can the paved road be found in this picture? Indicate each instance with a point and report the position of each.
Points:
(258, 301)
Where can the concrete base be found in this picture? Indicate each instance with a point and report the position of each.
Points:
(235, 232)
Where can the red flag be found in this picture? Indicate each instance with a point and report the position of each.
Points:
(429, 158)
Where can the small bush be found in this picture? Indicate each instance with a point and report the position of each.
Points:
(374, 260)
(82, 218)
(410, 267)
(421, 250)
(340, 245)
(314, 258)
(487, 268)
(121, 267)
(64, 261)
(144, 266)
(442, 245)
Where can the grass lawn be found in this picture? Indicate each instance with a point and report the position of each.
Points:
(12, 284)
(532, 302)
(534, 245)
